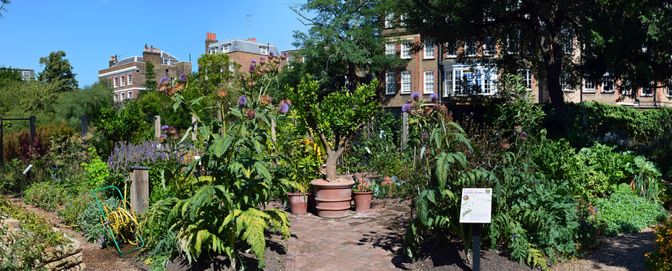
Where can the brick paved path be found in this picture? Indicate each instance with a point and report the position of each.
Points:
(358, 242)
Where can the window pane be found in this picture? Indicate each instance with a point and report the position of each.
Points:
(406, 82)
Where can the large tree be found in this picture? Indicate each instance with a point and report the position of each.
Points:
(343, 46)
(536, 33)
(3, 3)
(58, 71)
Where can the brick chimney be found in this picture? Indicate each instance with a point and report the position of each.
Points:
(210, 38)
(252, 40)
(113, 60)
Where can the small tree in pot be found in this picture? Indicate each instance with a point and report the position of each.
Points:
(332, 120)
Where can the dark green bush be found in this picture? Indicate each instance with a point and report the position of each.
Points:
(46, 195)
(74, 207)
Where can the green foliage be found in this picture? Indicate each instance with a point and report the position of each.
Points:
(626, 212)
(126, 124)
(75, 205)
(517, 107)
(344, 46)
(58, 71)
(46, 195)
(90, 222)
(661, 257)
(299, 160)
(150, 81)
(23, 249)
(9, 74)
(96, 171)
(70, 106)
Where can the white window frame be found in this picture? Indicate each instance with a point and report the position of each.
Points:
(122, 80)
(130, 79)
(483, 76)
(428, 54)
(589, 85)
(390, 83)
(389, 20)
(406, 50)
(264, 50)
(448, 85)
(428, 82)
(402, 20)
(406, 82)
(390, 48)
(527, 78)
(116, 82)
(130, 94)
(123, 96)
(607, 79)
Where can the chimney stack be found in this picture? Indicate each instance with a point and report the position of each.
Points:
(113, 60)
(210, 38)
(252, 40)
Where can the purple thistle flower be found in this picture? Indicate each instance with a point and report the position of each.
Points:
(523, 136)
(284, 107)
(164, 80)
(165, 127)
(253, 65)
(183, 77)
(262, 60)
(434, 97)
(242, 101)
(415, 96)
(406, 107)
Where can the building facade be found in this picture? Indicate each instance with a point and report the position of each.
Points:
(127, 76)
(241, 52)
(448, 70)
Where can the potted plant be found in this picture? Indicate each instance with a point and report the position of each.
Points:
(332, 121)
(363, 195)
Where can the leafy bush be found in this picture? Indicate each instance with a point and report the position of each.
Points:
(626, 212)
(661, 257)
(46, 195)
(90, 221)
(74, 207)
(96, 170)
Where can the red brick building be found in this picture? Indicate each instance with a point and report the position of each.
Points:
(241, 52)
(127, 76)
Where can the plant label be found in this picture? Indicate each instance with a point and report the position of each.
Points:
(476, 205)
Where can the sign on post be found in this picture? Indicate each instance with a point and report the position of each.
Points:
(476, 205)
(476, 209)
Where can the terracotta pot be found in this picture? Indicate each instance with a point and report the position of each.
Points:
(298, 203)
(333, 198)
(363, 201)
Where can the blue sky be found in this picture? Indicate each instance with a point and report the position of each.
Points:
(89, 31)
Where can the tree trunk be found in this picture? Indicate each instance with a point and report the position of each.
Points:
(332, 160)
(553, 55)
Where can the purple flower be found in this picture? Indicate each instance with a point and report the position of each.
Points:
(183, 77)
(165, 127)
(284, 107)
(406, 107)
(262, 60)
(424, 136)
(164, 80)
(523, 136)
(415, 96)
(253, 65)
(434, 97)
(242, 101)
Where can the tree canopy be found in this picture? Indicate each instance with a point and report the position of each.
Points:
(629, 39)
(343, 46)
(58, 71)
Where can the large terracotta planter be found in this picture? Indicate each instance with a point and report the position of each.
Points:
(298, 203)
(363, 201)
(332, 199)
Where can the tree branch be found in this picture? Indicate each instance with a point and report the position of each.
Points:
(325, 142)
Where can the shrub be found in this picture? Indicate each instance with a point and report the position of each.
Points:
(90, 221)
(626, 212)
(96, 170)
(46, 195)
(74, 207)
(661, 257)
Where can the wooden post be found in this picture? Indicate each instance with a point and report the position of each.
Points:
(139, 189)
(157, 127)
(194, 130)
(404, 130)
(33, 130)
